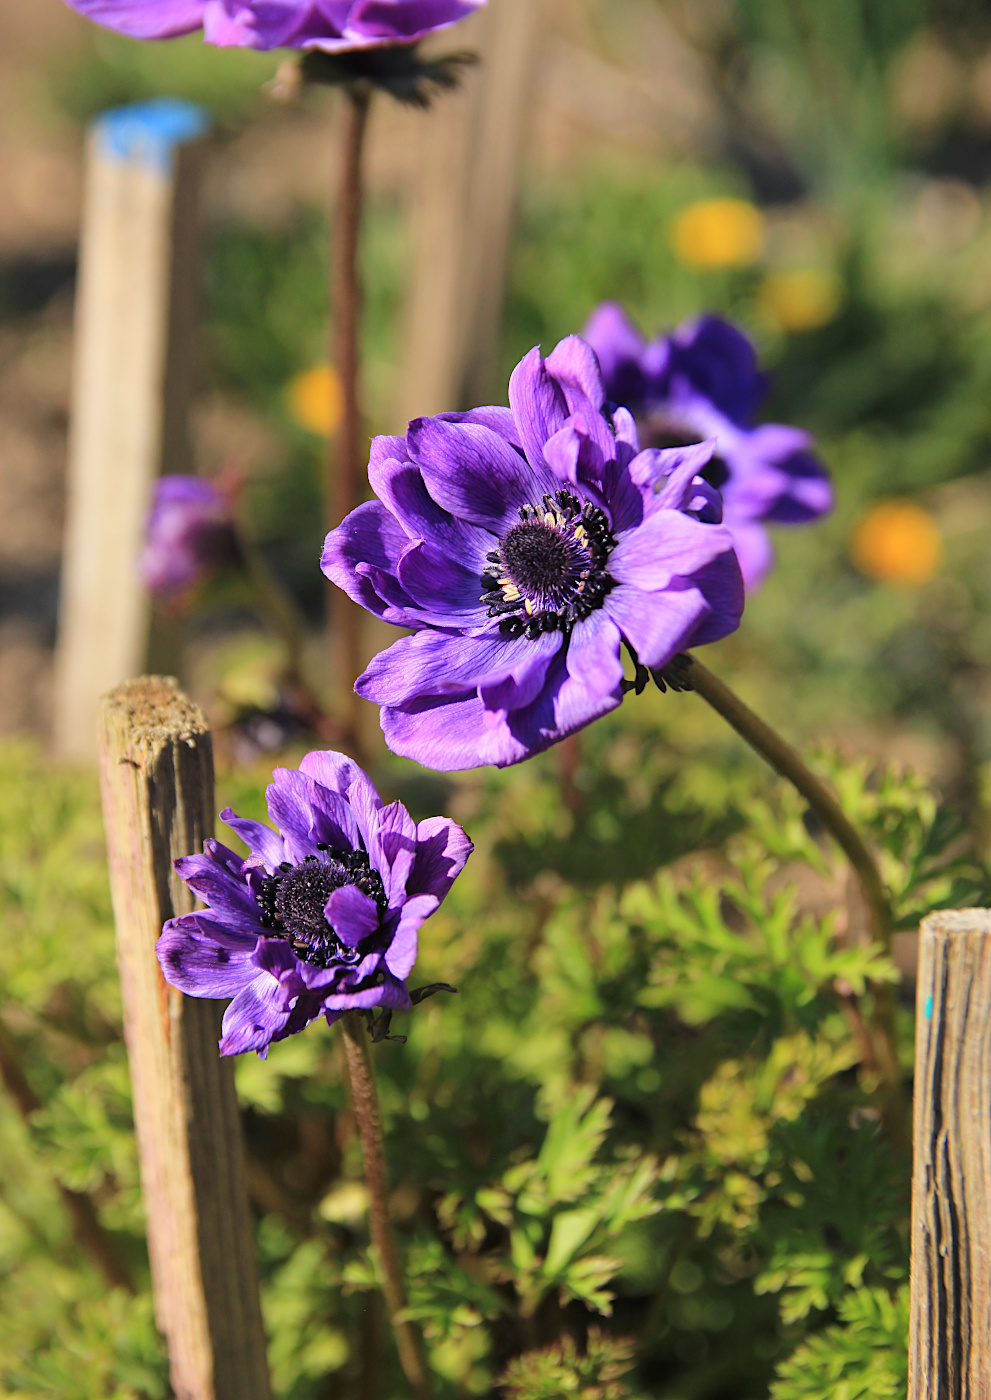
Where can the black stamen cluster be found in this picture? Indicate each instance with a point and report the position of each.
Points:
(555, 560)
(292, 902)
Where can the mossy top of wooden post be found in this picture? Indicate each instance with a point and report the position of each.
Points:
(152, 711)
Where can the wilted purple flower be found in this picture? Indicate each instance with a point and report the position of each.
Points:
(334, 26)
(524, 546)
(703, 382)
(189, 534)
(322, 917)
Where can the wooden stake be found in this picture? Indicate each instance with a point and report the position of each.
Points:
(157, 784)
(950, 1342)
(133, 379)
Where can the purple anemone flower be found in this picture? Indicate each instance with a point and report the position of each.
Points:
(524, 546)
(703, 382)
(322, 917)
(335, 26)
(189, 534)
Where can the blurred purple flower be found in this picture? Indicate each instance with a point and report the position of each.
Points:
(189, 534)
(334, 26)
(524, 546)
(322, 917)
(703, 382)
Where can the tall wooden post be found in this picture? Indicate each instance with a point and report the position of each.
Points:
(133, 379)
(157, 783)
(950, 1342)
(462, 217)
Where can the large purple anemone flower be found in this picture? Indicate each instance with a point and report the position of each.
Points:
(335, 26)
(702, 382)
(189, 534)
(524, 546)
(322, 917)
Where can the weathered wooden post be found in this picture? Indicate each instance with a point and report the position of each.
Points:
(157, 785)
(133, 379)
(950, 1341)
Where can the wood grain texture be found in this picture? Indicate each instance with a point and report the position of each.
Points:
(157, 785)
(133, 376)
(950, 1342)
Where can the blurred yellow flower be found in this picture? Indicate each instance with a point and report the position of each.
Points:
(897, 541)
(801, 299)
(718, 233)
(315, 400)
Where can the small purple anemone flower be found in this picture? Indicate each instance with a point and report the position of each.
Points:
(189, 534)
(702, 382)
(524, 546)
(322, 917)
(334, 26)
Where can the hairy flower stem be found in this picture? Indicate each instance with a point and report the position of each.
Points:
(364, 1097)
(691, 673)
(345, 486)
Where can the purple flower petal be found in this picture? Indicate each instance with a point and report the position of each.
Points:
(442, 849)
(657, 626)
(394, 850)
(538, 403)
(443, 660)
(441, 587)
(753, 549)
(144, 19)
(359, 556)
(215, 877)
(619, 347)
(449, 733)
(390, 995)
(261, 840)
(667, 545)
(255, 1017)
(203, 958)
(493, 416)
(473, 473)
(352, 915)
(309, 814)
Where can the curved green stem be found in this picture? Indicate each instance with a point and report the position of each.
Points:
(789, 764)
(364, 1097)
(688, 673)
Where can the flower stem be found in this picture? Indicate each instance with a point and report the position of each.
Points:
(689, 673)
(787, 762)
(364, 1097)
(283, 617)
(345, 486)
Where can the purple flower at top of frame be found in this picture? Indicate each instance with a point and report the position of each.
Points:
(323, 915)
(524, 546)
(702, 382)
(335, 26)
(189, 534)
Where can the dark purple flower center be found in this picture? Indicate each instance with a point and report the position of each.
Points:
(293, 900)
(660, 429)
(549, 571)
